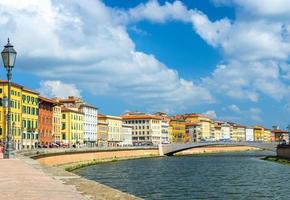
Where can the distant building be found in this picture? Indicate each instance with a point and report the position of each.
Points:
(262, 134)
(45, 119)
(126, 135)
(178, 131)
(279, 135)
(90, 123)
(56, 124)
(226, 131)
(249, 134)
(239, 133)
(102, 131)
(146, 129)
(206, 125)
(72, 126)
(193, 131)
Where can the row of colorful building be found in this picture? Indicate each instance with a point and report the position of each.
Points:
(40, 121)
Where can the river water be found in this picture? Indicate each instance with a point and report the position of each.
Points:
(218, 176)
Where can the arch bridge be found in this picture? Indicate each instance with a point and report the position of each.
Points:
(171, 149)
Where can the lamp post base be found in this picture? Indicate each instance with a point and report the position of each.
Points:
(9, 152)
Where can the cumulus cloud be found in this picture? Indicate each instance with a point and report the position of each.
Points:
(58, 89)
(155, 12)
(234, 108)
(88, 44)
(211, 113)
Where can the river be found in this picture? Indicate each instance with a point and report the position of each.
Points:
(218, 176)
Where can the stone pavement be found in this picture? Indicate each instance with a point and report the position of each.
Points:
(20, 180)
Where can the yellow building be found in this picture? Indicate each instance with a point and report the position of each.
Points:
(102, 131)
(239, 133)
(72, 123)
(207, 128)
(56, 124)
(30, 113)
(267, 135)
(262, 134)
(178, 132)
(24, 115)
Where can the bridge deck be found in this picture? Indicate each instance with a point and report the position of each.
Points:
(171, 149)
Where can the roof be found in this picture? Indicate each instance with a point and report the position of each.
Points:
(191, 124)
(279, 131)
(42, 98)
(19, 86)
(64, 109)
(88, 105)
(141, 117)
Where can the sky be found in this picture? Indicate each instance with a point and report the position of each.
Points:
(225, 58)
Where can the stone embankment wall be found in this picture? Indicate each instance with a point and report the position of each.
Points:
(283, 152)
(62, 158)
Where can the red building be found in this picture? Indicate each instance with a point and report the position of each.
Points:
(45, 120)
(280, 135)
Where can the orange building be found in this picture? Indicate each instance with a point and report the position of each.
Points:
(45, 127)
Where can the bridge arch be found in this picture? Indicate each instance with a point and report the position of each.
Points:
(171, 149)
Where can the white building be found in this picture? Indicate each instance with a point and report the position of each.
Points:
(164, 131)
(226, 130)
(249, 134)
(90, 124)
(126, 136)
(146, 128)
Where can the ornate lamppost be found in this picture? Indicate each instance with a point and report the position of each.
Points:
(9, 57)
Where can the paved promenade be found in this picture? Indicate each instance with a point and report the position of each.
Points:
(20, 180)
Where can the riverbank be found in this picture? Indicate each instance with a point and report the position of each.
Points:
(217, 149)
(277, 160)
(70, 167)
(60, 165)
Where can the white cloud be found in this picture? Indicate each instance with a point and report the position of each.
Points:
(211, 113)
(234, 108)
(247, 80)
(87, 43)
(58, 89)
(155, 12)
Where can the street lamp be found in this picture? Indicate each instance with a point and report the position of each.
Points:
(9, 57)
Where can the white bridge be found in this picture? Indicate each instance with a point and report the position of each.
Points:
(171, 149)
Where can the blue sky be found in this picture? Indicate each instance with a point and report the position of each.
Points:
(226, 58)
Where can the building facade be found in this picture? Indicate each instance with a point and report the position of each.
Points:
(146, 129)
(102, 131)
(45, 121)
(206, 125)
(72, 127)
(30, 112)
(56, 124)
(90, 124)
(178, 131)
(226, 132)
(249, 134)
(239, 133)
(126, 136)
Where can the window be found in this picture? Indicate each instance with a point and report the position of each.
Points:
(0, 130)
(23, 98)
(1, 102)
(63, 116)
(24, 123)
(24, 109)
(32, 100)
(63, 136)
(33, 111)
(28, 99)
(62, 126)
(0, 90)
